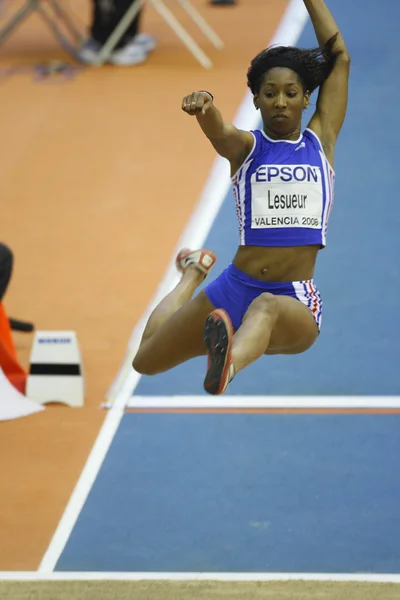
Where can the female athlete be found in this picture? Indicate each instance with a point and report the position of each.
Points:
(266, 301)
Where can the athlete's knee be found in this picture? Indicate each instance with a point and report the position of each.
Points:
(142, 363)
(143, 367)
(306, 342)
(265, 303)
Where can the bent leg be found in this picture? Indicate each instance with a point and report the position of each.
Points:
(182, 293)
(171, 335)
(295, 330)
(177, 339)
(273, 325)
(194, 266)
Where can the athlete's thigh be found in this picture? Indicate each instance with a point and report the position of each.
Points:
(179, 338)
(295, 329)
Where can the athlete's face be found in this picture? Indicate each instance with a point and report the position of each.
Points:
(281, 101)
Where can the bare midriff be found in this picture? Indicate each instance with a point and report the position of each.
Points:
(294, 263)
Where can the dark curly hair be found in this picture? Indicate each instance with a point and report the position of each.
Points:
(312, 65)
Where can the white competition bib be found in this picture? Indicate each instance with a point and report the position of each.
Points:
(286, 196)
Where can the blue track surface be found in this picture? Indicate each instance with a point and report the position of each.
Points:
(179, 492)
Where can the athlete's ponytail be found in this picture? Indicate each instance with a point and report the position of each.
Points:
(313, 66)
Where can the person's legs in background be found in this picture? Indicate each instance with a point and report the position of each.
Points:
(131, 49)
(6, 265)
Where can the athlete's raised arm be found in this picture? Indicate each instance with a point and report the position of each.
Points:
(331, 107)
(230, 142)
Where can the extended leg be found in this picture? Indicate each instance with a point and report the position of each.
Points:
(271, 325)
(174, 330)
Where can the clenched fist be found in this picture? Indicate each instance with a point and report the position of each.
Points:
(197, 103)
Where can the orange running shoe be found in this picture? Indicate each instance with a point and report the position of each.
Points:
(202, 259)
(218, 336)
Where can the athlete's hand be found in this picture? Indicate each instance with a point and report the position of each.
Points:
(197, 103)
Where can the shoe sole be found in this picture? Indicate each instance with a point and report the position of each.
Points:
(217, 334)
(91, 57)
(126, 62)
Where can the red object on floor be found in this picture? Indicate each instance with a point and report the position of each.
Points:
(8, 354)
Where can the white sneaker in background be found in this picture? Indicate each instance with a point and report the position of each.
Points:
(128, 55)
(147, 41)
(133, 53)
(88, 51)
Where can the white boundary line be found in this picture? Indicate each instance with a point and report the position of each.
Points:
(195, 233)
(150, 576)
(367, 402)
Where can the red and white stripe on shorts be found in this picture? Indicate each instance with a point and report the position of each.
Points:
(308, 294)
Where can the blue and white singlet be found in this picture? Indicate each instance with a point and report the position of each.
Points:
(284, 192)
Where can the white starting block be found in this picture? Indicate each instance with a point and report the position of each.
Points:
(56, 373)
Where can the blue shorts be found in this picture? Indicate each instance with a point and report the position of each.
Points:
(234, 291)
